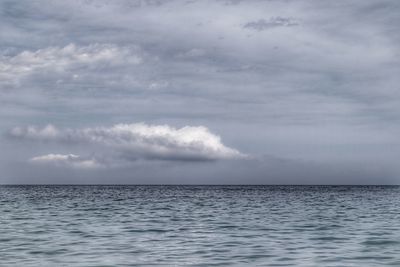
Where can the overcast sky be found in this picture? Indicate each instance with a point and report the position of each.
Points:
(200, 92)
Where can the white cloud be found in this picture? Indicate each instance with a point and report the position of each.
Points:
(70, 57)
(69, 160)
(130, 142)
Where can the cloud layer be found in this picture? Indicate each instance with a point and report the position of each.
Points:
(70, 160)
(64, 64)
(299, 80)
(68, 57)
(131, 142)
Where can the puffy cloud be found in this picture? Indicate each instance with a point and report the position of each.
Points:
(130, 142)
(69, 160)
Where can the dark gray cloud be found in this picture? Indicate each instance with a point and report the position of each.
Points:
(303, 81)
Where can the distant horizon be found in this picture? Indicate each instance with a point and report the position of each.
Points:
(249, 185)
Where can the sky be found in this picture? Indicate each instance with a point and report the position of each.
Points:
(199, 92)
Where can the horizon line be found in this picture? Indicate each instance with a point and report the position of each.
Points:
(198, 184)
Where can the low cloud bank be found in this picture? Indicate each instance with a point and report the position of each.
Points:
(69, 160)
(130, 142)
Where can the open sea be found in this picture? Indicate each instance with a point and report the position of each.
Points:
(200, 225)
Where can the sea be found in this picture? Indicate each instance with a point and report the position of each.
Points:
(48, 225)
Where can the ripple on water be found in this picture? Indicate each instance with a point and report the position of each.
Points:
(199, 225)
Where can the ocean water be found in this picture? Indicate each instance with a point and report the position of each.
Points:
(199, 225)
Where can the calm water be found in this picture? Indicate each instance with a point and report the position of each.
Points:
(203, 225)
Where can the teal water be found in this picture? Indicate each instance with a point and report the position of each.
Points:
(199, 225)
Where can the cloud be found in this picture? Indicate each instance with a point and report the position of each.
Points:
(46, 133)
(131, 142)
(262, 24)
(69, 160)
(325, 90)
(68, 58)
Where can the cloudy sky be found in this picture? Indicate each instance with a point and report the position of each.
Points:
(200, 92)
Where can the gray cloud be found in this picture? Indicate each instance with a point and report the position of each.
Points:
(130, 142)
(68, 58)
(262, 24)
(324, 92)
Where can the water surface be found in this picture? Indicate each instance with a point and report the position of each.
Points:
(199, 225)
